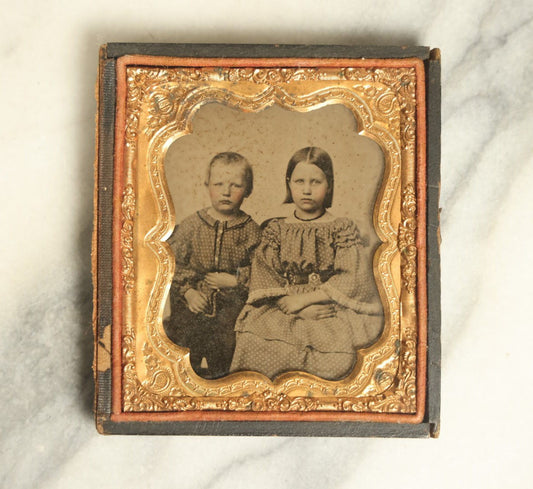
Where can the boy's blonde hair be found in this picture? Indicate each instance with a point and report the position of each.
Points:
(231, 158)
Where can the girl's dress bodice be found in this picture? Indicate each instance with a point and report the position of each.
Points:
(304, 255)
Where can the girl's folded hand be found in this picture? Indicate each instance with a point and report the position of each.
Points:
(317, 311)
(291, 304)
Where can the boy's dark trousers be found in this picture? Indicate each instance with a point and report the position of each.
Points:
(212, 338)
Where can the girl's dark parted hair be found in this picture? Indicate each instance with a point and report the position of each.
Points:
(231, 158)
(315, 156)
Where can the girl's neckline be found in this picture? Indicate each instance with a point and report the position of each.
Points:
(311, 219)
(325, 218)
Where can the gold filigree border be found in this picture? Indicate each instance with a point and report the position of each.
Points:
(126, 238)
(162, 103)
(406, 238)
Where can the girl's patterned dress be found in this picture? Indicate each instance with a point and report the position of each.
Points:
(201, 245)
(298, 257)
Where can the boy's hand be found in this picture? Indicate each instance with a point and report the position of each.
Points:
(196, 301)
(221, 280)
(291, 304)
(317, 311)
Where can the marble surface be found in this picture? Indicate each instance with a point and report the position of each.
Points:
(49, 58)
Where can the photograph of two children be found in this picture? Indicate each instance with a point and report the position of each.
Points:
(274, 242)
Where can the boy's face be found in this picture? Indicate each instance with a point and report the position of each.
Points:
(227, 188)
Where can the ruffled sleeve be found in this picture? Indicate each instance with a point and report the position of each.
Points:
(352, 285)
(266, 279)
(185, 277)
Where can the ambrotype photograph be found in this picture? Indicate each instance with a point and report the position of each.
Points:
(260, 249)
(274, 242)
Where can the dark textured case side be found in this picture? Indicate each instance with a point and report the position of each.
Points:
(433, 91)
(430, 425)
(103, 242)
(270, 428)
(115, 50)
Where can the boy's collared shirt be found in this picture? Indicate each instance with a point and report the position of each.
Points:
(202, 244)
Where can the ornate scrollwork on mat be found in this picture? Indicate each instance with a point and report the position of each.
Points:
(160, 105)
(126, 238)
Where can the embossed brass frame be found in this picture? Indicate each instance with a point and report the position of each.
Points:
(156, 101)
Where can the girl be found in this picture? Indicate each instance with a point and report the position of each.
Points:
(213, 249)
(310, 305)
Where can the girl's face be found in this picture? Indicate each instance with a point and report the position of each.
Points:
(309, 187)
(227, 188)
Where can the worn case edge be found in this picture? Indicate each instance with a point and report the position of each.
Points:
(102, 264)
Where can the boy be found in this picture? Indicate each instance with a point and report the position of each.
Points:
(213, 250)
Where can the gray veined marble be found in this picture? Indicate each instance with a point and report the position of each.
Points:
(49, 56)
